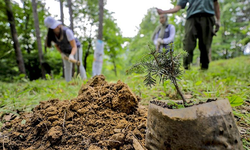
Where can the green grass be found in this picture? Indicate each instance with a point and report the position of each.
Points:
(26, 95)
(224, 79)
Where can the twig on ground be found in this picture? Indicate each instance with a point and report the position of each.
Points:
(137, 140)
(64, 118)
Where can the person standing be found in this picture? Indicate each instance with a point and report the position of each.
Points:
(66, 44)
(199, 25)
(164, 34)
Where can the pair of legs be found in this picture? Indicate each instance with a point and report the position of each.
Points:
(198, 27)
(68, 66)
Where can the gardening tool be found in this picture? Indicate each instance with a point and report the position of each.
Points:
(73, 61)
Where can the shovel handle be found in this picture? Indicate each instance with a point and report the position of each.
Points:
(73, 61)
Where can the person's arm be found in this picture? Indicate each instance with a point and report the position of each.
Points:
(74, 47)
(58, 49)
(170, 11)
(72, 41)
(217, 15)
(155, 39)
(217, 10)
(171, 36)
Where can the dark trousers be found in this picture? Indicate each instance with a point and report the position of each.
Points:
(200, 27)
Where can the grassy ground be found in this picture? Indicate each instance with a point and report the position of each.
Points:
(224, 79)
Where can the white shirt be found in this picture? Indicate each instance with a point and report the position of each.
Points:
(170, 38)
(70, 35)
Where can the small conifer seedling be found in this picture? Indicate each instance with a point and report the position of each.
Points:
(163, 65)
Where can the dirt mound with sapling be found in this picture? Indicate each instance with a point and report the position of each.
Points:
(102, 116)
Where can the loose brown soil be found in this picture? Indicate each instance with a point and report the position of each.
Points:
(175, 104)
(103, 116)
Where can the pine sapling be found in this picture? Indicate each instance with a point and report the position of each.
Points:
(163, 65)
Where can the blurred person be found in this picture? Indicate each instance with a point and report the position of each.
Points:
(164, 34)
(66, 44)
(199, 24)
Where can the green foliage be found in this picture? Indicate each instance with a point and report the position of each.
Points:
(85, 14)
(163, 65)
(174, 105)
(235, 100)
(232, 36)
(224, 79)
(26, 95)
(114, 52)
(139, 43)
(24, 22)
(234, 30)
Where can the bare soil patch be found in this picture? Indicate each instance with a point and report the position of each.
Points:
(102, 116)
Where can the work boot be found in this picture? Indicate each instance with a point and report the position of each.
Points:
(204, 66)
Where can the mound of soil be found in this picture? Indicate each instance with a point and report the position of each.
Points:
(102, 116)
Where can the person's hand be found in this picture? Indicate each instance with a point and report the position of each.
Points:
(71, 57)
(63, 56)
(159, 41)
(217, 26)
(160, 11)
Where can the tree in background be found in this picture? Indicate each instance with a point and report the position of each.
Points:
(100, 25)
(229, 42)
(71, 17)
(113, 46)
(39, 43)
(86, 16)
(234, 28)
(62, 20)
(86, 20)
(99, 49)
(138, 44)
(11, 19)
(61, 11)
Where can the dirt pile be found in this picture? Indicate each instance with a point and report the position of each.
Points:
(103, 116)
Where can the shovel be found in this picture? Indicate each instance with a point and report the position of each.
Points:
(73, 61)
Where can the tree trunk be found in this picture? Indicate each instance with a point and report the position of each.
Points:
(18, 53)
(71, 27)
(87, 54)
(62, 20)
(39, 43)
(113, 60)
(98, 54)
(61, 11)
(27, 15)
(71, 15)
(100, 28)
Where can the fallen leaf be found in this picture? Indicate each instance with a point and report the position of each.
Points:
(188, 96)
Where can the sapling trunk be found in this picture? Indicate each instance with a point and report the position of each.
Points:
(179, 91)
(174, 80)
